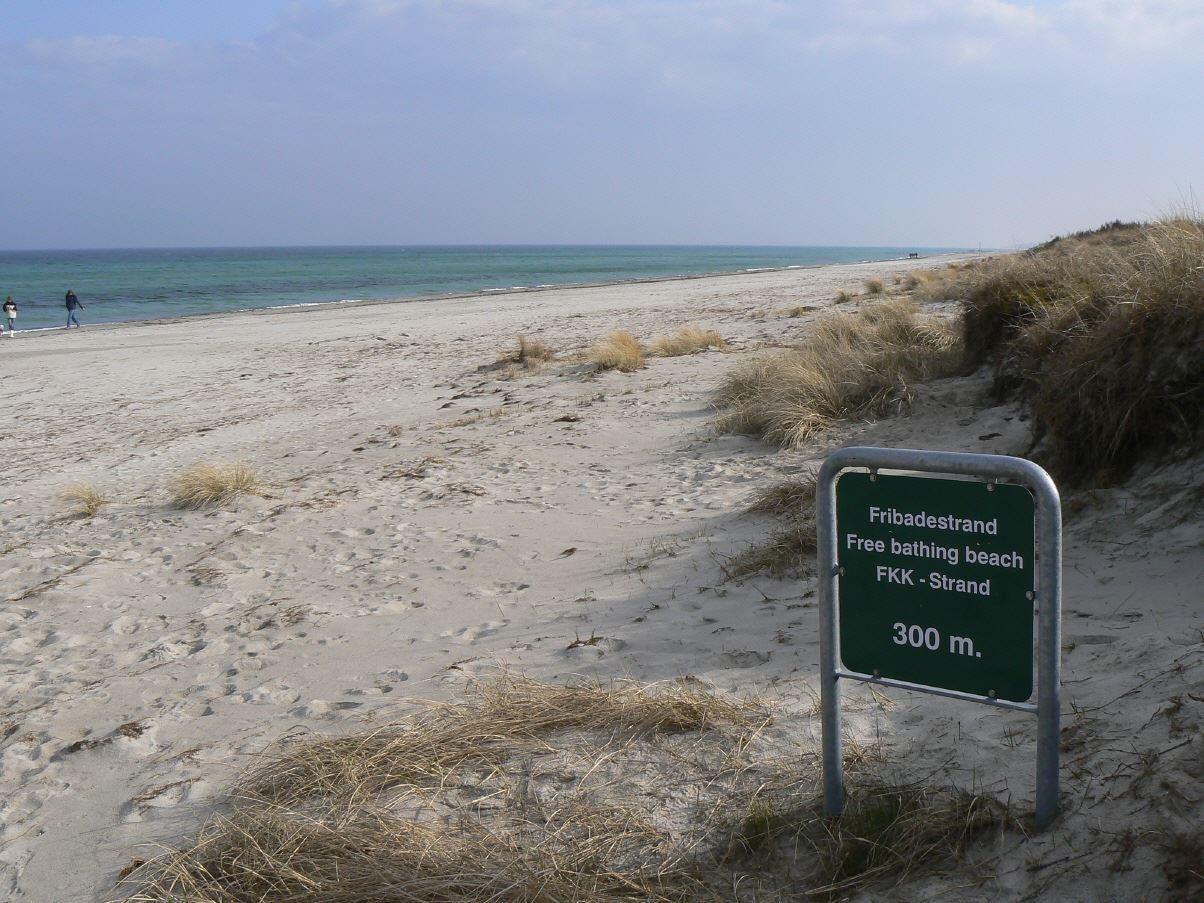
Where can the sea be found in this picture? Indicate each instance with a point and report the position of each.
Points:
(123, 285)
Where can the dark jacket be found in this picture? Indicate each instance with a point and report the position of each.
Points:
(72, 301)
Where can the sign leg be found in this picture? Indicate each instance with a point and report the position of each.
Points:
(1049, 658)
(833, 764)
(829, 686)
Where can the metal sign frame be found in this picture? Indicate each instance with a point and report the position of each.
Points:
(991, 469)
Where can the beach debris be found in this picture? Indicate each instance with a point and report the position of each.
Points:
(592, 640)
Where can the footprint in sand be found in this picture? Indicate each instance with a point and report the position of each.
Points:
(745, 658)
(24, 758)
(593, 647)
(164, 796)
(274, 692)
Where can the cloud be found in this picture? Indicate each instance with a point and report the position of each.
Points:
(590, 35)
(1144, 25)
(104, 50)
(692, 51)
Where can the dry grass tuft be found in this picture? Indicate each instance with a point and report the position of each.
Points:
(849, 365)
(887, 833)
(528, 357)
(790, 548)
(86, 500)
(896, 830)
(918, 279)
(532, 350)
(464, 802)
(785, 499)
(1100, 334)
(874, 286)
(207, 484)
(787, 552)
(843, 297)
(799, 310)
(688, 340)
(618, 351)
(508, 714)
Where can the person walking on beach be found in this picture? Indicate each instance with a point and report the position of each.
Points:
(72, 304)
(10, 314)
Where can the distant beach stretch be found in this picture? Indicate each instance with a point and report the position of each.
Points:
(127, 285)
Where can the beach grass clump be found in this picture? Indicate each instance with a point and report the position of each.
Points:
(874, 286)
(790, 547)
(786, 552)
(917, 279)
(506, 714)
(85, 499)
(1100, 336)
(844, 297)
(850, 365)
(896, 830)
(618, 351)
(785, 499)
(210, 484)
(688, 340)
(532, 350)
(889, 832)
(503, 797)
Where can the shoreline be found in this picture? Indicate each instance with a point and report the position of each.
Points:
(42, 331)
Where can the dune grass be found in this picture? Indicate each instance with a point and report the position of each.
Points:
(453, 804)
(790, 547)
(527, 357)
(1100, 335)
(888, 832)
(688, 340)
(210, 484)
(844, 297)
(874, 286)
(787, 552)
(539, 793)
(618, 351)
(786, 499)
(530, 350)
(850, 365)
(917, 279)
(85, 499)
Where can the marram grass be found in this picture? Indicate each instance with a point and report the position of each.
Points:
(211, 484)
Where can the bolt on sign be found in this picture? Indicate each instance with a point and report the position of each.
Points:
(936, 582)
(931, 578)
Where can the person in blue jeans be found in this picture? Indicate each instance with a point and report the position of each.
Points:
(72, 304)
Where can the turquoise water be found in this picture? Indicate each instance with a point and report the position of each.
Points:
(126, 285)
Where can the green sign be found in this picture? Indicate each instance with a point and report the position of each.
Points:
(936, 582)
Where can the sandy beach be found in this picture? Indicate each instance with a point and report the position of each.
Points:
(430, 517)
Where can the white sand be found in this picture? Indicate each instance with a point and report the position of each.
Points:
(149, 652)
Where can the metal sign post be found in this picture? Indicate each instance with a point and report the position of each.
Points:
(930, 584)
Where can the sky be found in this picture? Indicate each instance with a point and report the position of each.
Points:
(994, 123)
